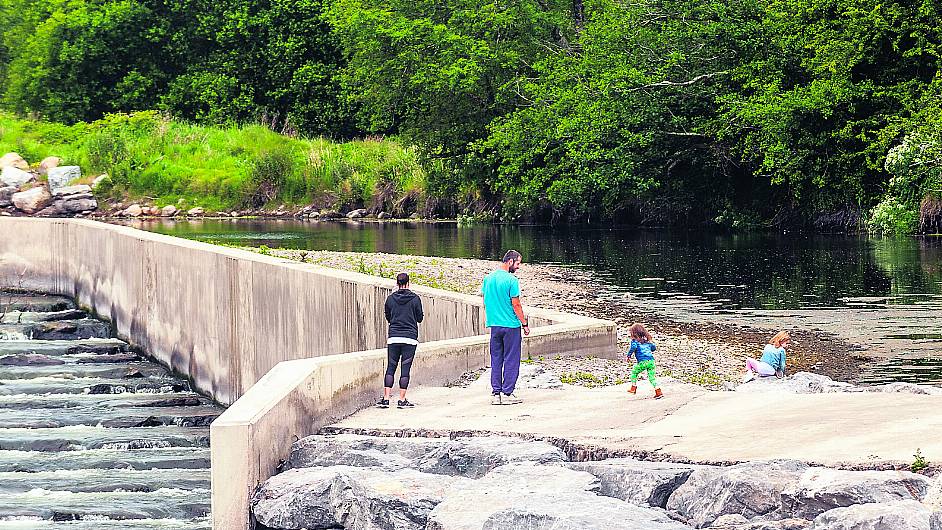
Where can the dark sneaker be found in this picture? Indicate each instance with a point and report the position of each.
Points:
(383, 403)
(495, 399)
(511, 399)
(405, 404)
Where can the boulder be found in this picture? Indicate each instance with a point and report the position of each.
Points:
(330, 214)
(638, 482)
(15, 177)
(384, 215)
(195, 212)
(361, 451)
(13, 160)
(48, 163)
(906, 388)
(61, 176)
(79, 190)
(134, 210)
(533, 496)
(76, 205)
(168, 210)
(32, 200)
(935, 522)
(476, 456)
(821, 489)
(350, 497)
(799, 383)
(357, 214)
(415, 216)
(751, 489)
(6, 195)
(900, 515)
(468, 457)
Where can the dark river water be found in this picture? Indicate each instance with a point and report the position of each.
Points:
(885, 293)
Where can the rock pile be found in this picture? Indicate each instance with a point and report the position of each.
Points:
(809, 383)
(364, 482)
(22, 190)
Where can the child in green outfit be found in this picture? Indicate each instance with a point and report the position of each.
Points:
(643, 350)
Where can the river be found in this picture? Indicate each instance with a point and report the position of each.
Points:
(884, 294)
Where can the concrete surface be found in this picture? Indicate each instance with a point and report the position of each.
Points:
(689, 423)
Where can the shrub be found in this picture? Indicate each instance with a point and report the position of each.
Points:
(893, 217)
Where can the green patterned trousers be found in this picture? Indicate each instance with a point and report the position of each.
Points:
(644, 366)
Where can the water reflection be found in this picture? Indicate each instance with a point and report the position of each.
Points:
(740, 271)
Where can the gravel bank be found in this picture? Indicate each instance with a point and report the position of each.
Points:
(702, 353)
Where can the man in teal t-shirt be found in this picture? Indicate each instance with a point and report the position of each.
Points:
(504, 315)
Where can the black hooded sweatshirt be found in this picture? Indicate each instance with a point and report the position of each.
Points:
(404, 312)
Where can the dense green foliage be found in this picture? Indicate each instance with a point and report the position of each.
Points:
(216, 62)
(224, 168)
(655, 111)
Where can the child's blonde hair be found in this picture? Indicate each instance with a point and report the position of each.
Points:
(638, 332)
(779, 338)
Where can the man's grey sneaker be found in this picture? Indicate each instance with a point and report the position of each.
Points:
(404, 404)
(511, 399)
(383, 403)
(495, 399)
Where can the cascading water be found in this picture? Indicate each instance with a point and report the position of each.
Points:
(92, 434)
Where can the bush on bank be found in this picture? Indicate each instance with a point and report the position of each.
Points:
(220, 168)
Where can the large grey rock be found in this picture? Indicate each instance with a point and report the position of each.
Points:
(75, 205)
(61, 176)
(533, 496)
(363, 451)
(6, 195)
(350, 497)
(79, 190)
(900, 515)
(638, 482)
(906, 388)
(751, 489)
(799, 383)
(195, 212)
(935, 522)
(13, 160)
(822, 489)
(357, 214)
(470, 457)
(32, 200)
(168, 211)
(476, 456)
(15, 177)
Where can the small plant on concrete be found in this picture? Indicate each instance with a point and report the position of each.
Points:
(919, 463)
(264, 250)
(580, 378)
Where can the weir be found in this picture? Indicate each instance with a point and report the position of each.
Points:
(290, 347)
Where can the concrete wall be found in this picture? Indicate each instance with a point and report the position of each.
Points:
(227, 317)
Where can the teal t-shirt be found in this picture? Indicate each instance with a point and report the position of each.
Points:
(498, 288)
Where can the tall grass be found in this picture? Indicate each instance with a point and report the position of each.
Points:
(147, 156)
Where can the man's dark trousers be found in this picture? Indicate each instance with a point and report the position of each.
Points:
(505, 359)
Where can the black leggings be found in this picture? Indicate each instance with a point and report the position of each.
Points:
(395, 352)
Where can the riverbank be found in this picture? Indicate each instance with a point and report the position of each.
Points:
(147, 160)
(706, 354)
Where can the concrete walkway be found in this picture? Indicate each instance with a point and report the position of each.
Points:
(689, 423)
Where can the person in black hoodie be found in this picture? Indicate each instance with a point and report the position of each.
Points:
(403, 312)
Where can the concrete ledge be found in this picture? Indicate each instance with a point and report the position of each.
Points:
(268, 330)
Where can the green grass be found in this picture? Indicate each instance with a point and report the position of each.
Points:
(221, 168)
